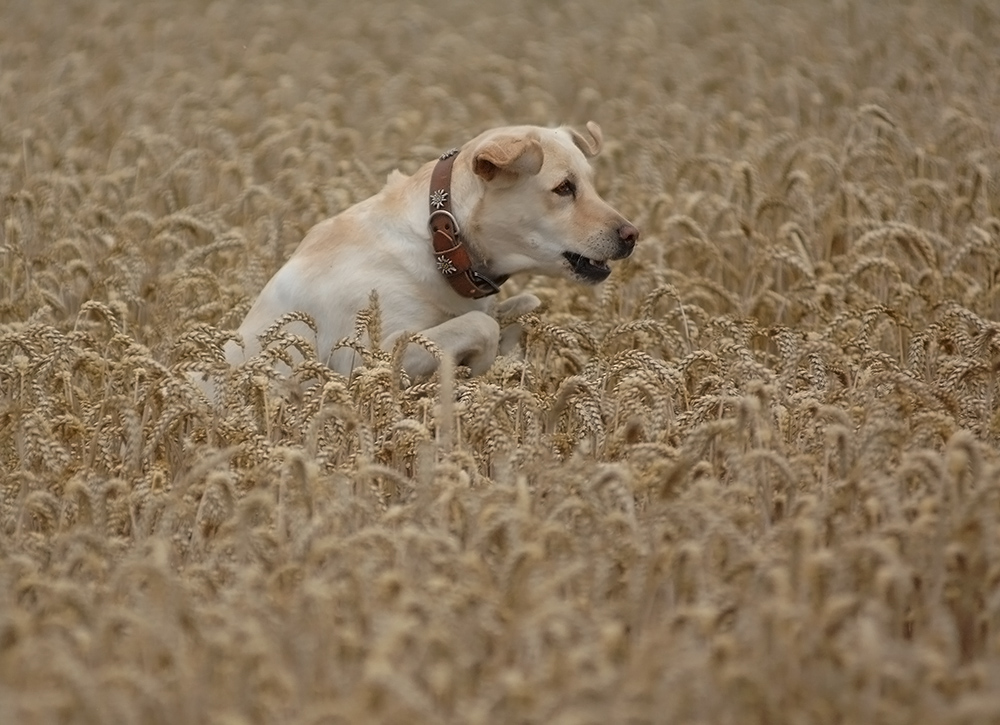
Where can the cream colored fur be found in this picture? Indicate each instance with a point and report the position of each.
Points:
(512, 218)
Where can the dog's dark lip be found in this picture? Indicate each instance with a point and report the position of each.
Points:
(591, 270)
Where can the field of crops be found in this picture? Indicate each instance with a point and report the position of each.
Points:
(752, 478)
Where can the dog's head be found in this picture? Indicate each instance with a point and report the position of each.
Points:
(537, 208)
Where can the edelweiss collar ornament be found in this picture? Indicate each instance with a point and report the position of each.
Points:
(439, 198)
(444, 265)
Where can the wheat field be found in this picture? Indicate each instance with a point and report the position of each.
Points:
(752, 478)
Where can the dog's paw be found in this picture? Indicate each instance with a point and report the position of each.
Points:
(510, 338)
(511, 309)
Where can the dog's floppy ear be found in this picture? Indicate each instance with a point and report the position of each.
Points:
(515, 155)
(590, 147)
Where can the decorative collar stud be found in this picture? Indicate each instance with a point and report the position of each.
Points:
(439, 198)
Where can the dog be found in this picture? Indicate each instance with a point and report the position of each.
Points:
(436, 246)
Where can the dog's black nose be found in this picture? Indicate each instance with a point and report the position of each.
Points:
(628, 235)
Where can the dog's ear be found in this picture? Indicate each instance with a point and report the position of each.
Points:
(513, 155)
(590, 147)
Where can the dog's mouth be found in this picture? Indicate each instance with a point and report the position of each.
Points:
(591, 270)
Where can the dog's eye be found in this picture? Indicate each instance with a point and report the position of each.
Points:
(567, 188)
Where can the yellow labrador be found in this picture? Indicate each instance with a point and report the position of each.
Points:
(435, 246)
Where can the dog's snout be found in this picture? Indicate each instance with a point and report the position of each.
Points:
(628, 235)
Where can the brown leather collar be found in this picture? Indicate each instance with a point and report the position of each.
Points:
(450, 253)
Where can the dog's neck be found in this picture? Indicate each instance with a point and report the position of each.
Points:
(451, 253)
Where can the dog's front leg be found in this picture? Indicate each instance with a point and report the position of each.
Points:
(507, 313)
(470, 339)
(516, 306)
